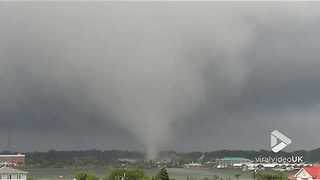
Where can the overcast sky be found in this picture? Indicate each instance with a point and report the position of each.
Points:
(155, 76)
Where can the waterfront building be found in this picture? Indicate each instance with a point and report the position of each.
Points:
(307, 173)
(9, 173)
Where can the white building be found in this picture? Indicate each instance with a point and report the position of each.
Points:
(229, 162)
(8, 173)
(193, 165)
(307, 173)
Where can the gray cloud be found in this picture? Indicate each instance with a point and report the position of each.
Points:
(155, 76)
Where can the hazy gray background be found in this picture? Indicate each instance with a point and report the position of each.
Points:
(156, 76)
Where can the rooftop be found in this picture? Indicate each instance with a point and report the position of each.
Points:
(314, 171)
(12, 155)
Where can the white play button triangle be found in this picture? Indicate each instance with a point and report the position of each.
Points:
(278, 141)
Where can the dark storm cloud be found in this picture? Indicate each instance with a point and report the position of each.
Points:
(159, 75)
(281, 91)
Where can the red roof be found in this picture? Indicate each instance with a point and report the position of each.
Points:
(314, 171)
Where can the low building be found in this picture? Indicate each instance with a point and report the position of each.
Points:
(307, 173)
(232, 162)
(13, 160)
(193, 165)
(9, 173)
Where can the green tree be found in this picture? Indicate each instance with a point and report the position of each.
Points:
(136, 174)
(92, 177)
(215, 177)
(271, 176)
(116, 174)
(122, 174)
(85, 176)
(237, 176)
(162, 175)
(81, 176)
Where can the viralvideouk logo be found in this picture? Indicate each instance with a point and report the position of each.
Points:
(278, 141)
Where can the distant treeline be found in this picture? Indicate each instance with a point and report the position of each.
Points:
(55, 158)
(111, 157)
(309, 156)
